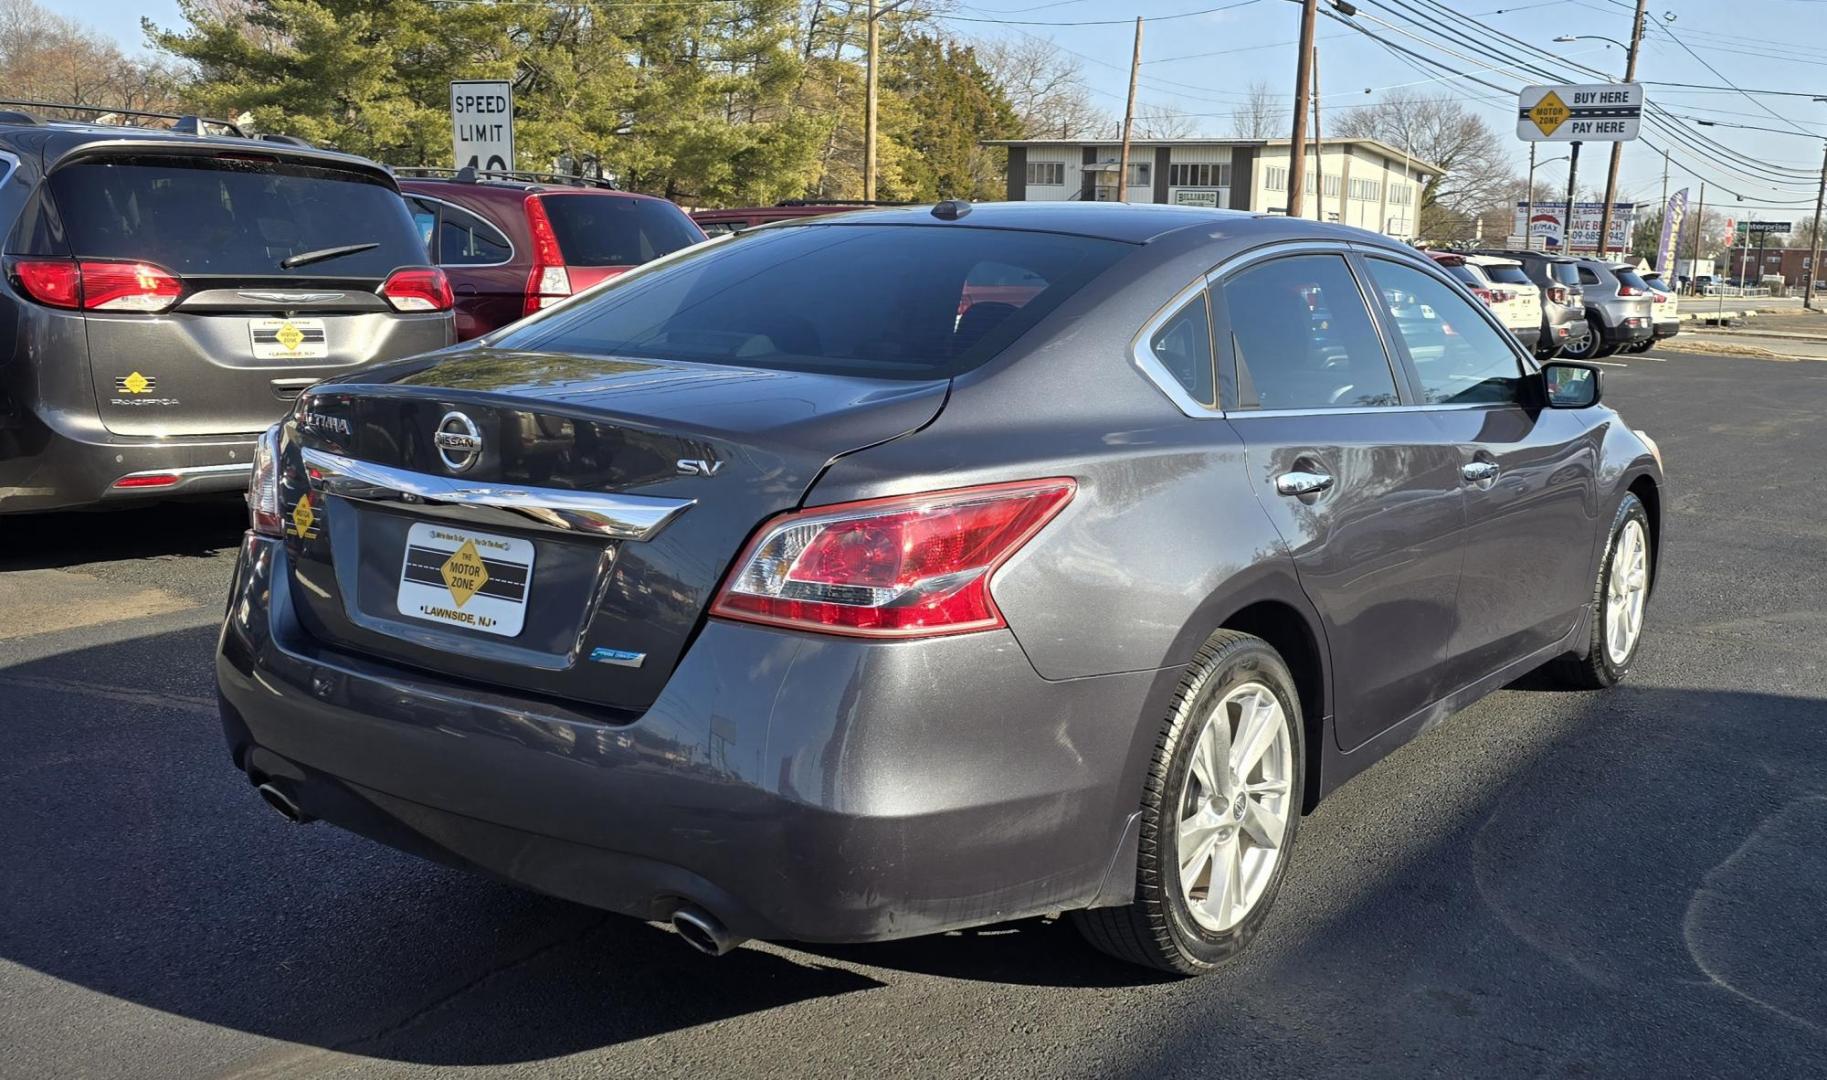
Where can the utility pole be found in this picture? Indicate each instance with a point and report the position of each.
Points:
(1573, 177)
(1699, 224)
(869, 94)
(1129, 117)
(1617, 148)
(1297, 139)
(1319, 155)
(1813, 269)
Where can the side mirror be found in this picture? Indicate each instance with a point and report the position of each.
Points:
(1569, 386)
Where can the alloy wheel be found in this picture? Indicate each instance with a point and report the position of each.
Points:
(1626, 592)
(1234, 814)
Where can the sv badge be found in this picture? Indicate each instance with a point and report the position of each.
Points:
(698, 467)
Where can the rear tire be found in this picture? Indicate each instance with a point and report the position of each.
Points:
(1589, 349)
(1226, 782)
(1619, 599)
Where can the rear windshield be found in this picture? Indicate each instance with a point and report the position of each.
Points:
(609, 230)
(886, 301)
(200, 216)
(1465, 273)
(1506, 275)
(1629, 277)
(1567, 273)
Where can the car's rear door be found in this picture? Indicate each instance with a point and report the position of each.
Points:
(1363, 489)
(487, 274)
(252, 326)
(1527, 472)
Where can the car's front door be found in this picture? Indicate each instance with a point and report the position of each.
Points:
(1528, 472)
(1363, 489)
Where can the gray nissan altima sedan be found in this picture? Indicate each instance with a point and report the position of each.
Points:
(914, 569)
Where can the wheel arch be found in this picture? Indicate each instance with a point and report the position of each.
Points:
(1293, 632)
(1649, 493)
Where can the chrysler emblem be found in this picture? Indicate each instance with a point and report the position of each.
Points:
(459, 441)
(293, 297)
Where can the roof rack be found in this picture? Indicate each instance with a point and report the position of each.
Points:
(469, 175)
(184, 123)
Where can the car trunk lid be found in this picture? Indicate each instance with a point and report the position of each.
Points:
(683, 460)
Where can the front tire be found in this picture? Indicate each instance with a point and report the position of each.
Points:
(1220, 807)
(1619, 599)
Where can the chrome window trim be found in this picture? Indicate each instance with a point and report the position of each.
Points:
(617, 517)
(1143, 357)
(12, 161)
(513, 252)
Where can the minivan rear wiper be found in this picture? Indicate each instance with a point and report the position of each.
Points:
(321, 254)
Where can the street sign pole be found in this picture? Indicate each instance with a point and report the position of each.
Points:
(1529, 208)
(1573, 181)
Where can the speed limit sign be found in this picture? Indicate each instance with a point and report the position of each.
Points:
(482, 124)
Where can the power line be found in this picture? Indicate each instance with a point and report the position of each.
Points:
(1094, 22)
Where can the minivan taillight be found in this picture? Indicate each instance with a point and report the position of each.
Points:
(549, 281)
(263, 486)
(98, 284)
(418, 288)
(906, 566)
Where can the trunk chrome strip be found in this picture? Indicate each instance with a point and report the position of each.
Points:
(590, 513)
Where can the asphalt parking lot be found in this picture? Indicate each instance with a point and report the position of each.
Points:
(1553, 884)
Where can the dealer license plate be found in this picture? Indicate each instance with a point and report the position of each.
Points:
(458, 577)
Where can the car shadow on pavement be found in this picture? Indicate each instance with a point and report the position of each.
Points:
(1618, 883)
(192, 527)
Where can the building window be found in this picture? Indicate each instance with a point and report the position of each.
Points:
(1199, 174)
(1332, 187)
(1309, 182)
(1400, 194)
(1275, 178)
(1138, 174)
(1047, 173)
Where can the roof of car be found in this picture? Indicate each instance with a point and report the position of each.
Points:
(1492, 260)
(59, 139)
(517, 185)
(1135, 223)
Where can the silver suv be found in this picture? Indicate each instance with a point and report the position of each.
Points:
(1564, 324)
(167, 292)
(1619, 309)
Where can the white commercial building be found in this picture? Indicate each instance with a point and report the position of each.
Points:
(1361, 182)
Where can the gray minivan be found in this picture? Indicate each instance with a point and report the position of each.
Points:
(167, 293)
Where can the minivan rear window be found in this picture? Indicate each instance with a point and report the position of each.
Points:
(885, 301)
(234, 216)
(613, 230)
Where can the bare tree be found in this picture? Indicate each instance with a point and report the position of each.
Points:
(1161, 122)
(45, 56)
(1046, 87)
(1478, 176)
(1261, 116)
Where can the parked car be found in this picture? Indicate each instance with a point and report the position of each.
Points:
(167, 293)
(1563, 304)
(1664, 310)
(736, 219)
(1521, 307)
(1618, 305)
(513, 243)
(1500, 300)
(761, 593)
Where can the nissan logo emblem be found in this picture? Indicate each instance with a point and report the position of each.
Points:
(459, 442)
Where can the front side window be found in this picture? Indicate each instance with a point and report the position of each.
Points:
(1183, 346)
(1460, 357)
(883, 301)
(1303, 338)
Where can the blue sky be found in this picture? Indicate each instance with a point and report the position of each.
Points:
(1199, 64)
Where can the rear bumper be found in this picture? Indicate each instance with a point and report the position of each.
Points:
(1529, 336)
(1667, 329)
(796, 787)
(1628, 335)
(53, 468)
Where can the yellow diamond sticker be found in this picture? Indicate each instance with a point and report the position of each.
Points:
(303, 517)
(463, 573)
(1549, 113)
(291, 336)
(136, 384)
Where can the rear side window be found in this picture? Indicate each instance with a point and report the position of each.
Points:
(1303, 338)
(611, 230)
(1506, 275)
(1183, 346)
(885, 301)
(1587, 277)
(200, 216)
(1459, 357)
(466, 240)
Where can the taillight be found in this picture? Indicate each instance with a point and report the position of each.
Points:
(1558, 294)
(908, 566)
(263, 486)
(98, 284)
(1483, 294)
(418, 288)
(1626, 290)
(549, 282)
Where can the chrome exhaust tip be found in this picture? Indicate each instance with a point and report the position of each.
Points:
(702, 931)
(283, 803)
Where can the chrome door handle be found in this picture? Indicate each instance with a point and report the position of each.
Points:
(1302, 483)
(1479, 471)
